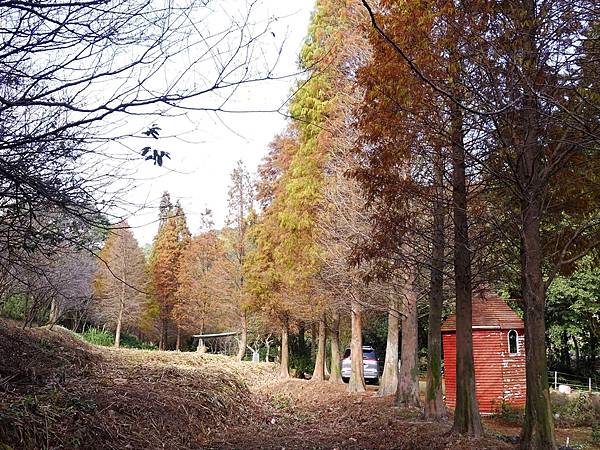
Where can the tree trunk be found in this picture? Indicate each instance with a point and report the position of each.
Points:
(388, 385)
(243, 337)
(121, 301)
(565, 356)
(268, 345)
(357, 376)
(538, 425)
(77, 322)
(319, 371)
(54, 313)
(593, 344)
(466, 414)
(178, 341)
(434, 399)
(577, 355)
(201, 348)
(285, 355)
(336, 358)
(313, 340)
(164, 326)
(408, 381)
(119, 323)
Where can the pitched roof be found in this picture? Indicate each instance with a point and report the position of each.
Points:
(489, 310)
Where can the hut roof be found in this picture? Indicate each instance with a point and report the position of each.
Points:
(489, 310)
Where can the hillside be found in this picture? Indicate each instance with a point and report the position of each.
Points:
(60, 392)
(57, 391)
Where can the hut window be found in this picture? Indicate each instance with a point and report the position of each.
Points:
(513, 343)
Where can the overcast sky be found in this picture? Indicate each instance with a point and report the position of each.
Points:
(206, 146)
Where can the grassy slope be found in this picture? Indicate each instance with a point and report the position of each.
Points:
(57, 391)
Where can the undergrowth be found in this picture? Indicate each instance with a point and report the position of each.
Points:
(574, 410)
(107, 339)
(508, 413)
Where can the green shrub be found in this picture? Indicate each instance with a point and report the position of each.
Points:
(574, 410)
(595, 432)
(107, 339)
(99, 337)
(130, 341)
(509, 413)
(302, 363)
(13, 307)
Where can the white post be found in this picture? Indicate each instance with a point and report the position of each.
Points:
(590, 383)
(555, 380)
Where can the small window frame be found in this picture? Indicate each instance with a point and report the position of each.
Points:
(516, 342)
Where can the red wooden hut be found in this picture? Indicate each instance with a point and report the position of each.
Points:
(498, 353)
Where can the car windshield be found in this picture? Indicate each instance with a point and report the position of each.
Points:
(367, 354)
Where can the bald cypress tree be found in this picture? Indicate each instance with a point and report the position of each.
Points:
(121, 280)
(240, 204)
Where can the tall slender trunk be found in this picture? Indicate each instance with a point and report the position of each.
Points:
(538, 424)
(178, 341)
(119, 324)
(434, 399)
(408, 381)
(319, 371)
(336, 358)
(357, 376)
(388, 385)
(285, 351)
(121, 301)
(243, 336)
(565, 356)
(54, 313)
(313, 340)
(201, 348)
(164, 333)
(466, 414)
(577, 355)
(268, 345)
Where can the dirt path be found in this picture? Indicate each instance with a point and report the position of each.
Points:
(298, 414)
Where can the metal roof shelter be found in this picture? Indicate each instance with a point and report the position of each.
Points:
(220, 342)
(215, 335)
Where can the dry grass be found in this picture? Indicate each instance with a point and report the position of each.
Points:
(56, 391)
(300, 414)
